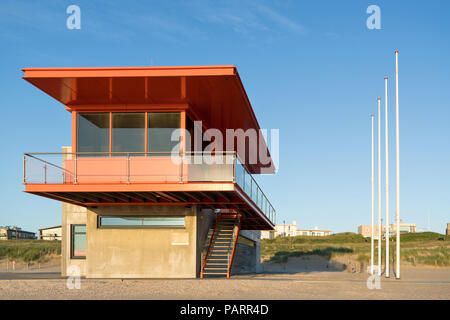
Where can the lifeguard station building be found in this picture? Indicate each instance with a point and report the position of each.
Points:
(136, 202)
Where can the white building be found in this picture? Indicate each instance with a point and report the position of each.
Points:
(290, 230)
(313, 233)
(281, 230)
(50, 233)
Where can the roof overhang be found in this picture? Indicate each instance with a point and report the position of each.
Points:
(215, 94)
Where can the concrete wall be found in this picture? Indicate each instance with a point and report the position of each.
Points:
(71, 214)
(206, 220)
(142, 253)
(247, 257)
(149, 252)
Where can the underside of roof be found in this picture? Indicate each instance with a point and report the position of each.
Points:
(214, 94)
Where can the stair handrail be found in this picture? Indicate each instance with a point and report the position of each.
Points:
(209, 247)
(230, 265)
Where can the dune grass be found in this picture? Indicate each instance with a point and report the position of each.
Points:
(424, 248)
(29, 250)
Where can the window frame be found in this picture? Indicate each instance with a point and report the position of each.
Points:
(149, 136)
(75, 125)
(100, 226)
(72, 242)
(144, 129)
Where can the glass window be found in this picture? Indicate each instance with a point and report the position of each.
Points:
(78, 241)
(128, 132)
(92, 132)
(160, 128)
(141, 222)
(120, 221)
(163, 221)
(239, 174)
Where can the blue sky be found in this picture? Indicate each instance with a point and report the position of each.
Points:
(311, 69)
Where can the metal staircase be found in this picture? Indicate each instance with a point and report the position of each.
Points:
(222, 245)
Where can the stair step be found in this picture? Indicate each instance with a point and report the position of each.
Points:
(214, 273)
(216, 259)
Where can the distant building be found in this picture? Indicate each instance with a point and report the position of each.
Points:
(285, 229)
(404, 228)
(313, 233)
(365, 230)
(50, 233)
(267, 234)
(447, 232)
(281, 230)
(290, 230)
(10, 233)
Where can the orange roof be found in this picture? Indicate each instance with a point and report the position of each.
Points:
(215, 94)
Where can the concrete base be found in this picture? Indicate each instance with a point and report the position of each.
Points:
(147, 252)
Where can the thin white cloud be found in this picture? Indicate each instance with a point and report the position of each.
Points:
(282, 20)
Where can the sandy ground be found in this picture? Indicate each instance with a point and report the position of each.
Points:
(313, 278)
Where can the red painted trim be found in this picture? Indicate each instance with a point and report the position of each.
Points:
(146, 134)
(177, 71)
(129, 107)
(74, 131)
(110, 133)
(183, 129)
(133, 187)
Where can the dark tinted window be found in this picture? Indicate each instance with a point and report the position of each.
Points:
(93, 132)
(128, 132)
(160, 128)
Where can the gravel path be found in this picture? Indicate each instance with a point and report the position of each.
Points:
(416, 283)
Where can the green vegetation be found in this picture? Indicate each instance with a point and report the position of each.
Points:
(29, 250)
(344, 237)
(425, 248)
(423, 236)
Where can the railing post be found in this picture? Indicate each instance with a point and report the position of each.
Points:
(128, 168)
(45, 173)
(24, 169)
(75, 179)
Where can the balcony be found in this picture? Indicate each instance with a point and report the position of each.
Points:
(215, 181)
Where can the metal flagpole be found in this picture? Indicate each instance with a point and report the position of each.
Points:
(371, 240)
(379, 188)
(397, 273)
(386, 145)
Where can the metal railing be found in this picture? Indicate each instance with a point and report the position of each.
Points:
(144, 167)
